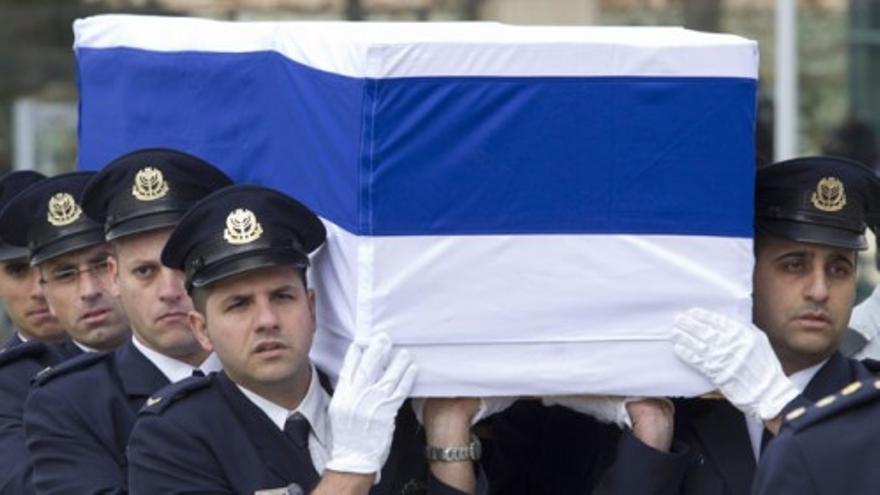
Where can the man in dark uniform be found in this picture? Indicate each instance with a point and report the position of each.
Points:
(811, 215)
(20, 290)
(45, 217)
(28, 350)
(266, 424)
(826, 448)
(77, 445)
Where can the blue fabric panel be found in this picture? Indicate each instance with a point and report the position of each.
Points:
(441, 155)
(562, 155)
(258, 116)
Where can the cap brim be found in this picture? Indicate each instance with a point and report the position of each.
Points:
(9, 252)
(80, 240)
(813, 233)
(145, 223)
(246, 263)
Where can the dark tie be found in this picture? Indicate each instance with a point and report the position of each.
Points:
(198, 372)
(765, 439)
(297, 430)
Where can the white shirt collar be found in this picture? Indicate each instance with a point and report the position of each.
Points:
(313, 407)
(174, 369)
(83, 347)
(803, 377)
(21, 336)
(800, 379)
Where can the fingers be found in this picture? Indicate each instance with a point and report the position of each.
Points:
(399, 377)
(351, 362)
(375, 359)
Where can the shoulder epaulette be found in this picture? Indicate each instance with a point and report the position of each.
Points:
(169, 394)
(73, 364)
(853, 395)
(32, 349)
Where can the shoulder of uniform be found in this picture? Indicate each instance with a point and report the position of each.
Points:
(872, 364)
(851, 396)
(80, 362)
(31, 349)
(159, 402)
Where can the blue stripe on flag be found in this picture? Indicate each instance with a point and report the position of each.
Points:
(441, 155)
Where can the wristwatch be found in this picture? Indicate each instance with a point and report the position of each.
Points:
(471, 452)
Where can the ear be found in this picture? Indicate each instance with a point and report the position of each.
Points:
(113, 267)
(198, 324)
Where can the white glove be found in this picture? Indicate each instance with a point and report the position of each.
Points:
(488, 407)
(373, 384)
(604, 408)
(736, 358)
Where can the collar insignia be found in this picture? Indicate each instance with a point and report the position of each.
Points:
(63, 210)
(242, 227)
(152, 401)
(149, 185)
(829, 195)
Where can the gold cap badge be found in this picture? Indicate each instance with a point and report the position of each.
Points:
(63, 210)
(829, 195)
(242, 227)
(149, 184)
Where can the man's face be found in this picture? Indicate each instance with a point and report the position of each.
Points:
(803, 297)
(261, 325)
(76, 287)
(25, 303)
(153, 296)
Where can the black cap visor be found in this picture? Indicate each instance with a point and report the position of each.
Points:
(813, 233)
(67, 244)
(246, 262)
(145, 223)
(9, 252)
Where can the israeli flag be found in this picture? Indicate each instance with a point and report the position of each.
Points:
(524, 208)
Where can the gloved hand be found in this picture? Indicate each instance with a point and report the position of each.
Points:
(373, 383)
(605, 408)
(488, 406)
(736, 358)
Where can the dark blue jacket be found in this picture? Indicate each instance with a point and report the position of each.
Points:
(827, 449)
(78, 418)
(716, 432)
(203, 436)
(532, 449)
(19, 363)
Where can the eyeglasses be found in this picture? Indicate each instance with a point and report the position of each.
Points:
(69, 276)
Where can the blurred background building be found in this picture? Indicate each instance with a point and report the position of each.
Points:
(838, 55)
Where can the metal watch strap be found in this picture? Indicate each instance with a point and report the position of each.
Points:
(470, 452)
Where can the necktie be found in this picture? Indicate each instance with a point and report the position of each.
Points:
(765, 439)
(198, 372)
(297, 430)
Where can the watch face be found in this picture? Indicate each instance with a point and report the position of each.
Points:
(476, 448)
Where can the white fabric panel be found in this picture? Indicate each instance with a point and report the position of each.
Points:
(575, 313)
(370, 49)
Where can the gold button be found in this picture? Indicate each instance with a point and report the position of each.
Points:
(827, 401)
(851, 388)
(797, 413)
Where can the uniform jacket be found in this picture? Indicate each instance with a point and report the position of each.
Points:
(534, 449)
(826, 449)
(19, 362)
(202, 435)
(78, 418)
(716, 432)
